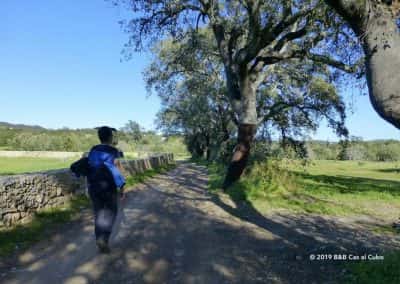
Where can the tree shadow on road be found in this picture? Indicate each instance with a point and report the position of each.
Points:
(172, 230)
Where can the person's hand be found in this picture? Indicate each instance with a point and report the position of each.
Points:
(122, 196)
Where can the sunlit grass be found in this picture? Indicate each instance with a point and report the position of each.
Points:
(323, 187)
(18, 165)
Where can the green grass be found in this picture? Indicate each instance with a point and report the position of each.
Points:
(131, 155)
(41, 226)
(375, 271)
(347, 187)
(18, 165)
(323, 187)
(362, 169)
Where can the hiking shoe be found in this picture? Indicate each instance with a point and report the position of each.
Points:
(102, 246)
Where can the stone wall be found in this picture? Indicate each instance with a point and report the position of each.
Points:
(22, 195)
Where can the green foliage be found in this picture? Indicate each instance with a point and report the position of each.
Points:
(133, 130)
(212, 58)
(355, 149)
(194, 102)
(41, 226)
(154, 143)
(376, 271)
(48, 140)
(132, 138)
(264, 180)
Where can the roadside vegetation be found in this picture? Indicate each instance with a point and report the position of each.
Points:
(320, 187)
(336, 188)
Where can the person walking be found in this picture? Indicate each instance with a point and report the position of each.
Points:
(105, 185)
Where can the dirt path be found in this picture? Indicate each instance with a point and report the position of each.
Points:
(171, 231)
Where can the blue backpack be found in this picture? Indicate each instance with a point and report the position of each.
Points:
(98, 158)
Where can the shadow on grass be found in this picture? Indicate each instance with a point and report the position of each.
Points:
(347, 184)
(393, 170)
(299, 197)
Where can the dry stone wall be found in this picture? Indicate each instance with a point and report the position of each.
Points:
(22, 195)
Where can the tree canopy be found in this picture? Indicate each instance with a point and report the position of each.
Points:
(250, 42)
(190, 83)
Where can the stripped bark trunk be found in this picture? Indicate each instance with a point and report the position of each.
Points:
(246, 131)
(240, 154)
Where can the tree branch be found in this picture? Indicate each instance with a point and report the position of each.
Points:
(331, 62)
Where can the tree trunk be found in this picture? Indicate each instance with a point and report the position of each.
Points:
(382, 49)
(246, 131)
(199, 151)
(375, 24)
(240, 154)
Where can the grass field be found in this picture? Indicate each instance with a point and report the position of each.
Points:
(17, 165)
(346, 187)
(322, 187)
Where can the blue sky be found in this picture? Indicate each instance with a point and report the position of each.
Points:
(60, 65)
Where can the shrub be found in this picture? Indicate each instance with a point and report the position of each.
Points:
(264, 180)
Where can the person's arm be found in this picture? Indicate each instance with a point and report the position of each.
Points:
(121, 168)
(119, 165)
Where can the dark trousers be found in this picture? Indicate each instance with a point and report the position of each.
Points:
(104, 201)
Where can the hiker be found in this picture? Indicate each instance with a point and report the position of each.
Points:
(105, 184)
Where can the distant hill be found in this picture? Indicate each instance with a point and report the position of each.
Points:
(20, 126)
